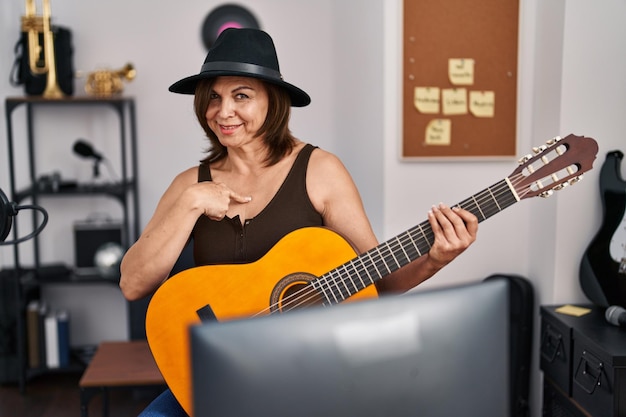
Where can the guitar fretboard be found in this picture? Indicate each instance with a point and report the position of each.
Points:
(371, 266)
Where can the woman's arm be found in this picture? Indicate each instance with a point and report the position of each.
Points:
(149, 261)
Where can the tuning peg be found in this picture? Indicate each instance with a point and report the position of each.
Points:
(539, 149)
(546, 194)
(575, 179)
(525, 159)
(554, 140)
(560, 186)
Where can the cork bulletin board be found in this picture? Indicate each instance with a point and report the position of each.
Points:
(459, 78)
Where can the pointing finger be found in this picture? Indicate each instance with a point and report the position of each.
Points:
(240, 198)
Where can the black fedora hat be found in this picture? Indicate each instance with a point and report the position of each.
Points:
(242, 52)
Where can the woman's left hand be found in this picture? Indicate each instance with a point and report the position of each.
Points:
(454, 229)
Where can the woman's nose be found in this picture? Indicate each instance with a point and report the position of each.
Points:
(225, 108)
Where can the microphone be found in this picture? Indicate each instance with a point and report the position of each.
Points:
(616, 315)
(84, 149)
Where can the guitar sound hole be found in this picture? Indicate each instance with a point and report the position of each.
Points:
(294, 291)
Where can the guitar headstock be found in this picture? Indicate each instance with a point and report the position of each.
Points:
(559, 163)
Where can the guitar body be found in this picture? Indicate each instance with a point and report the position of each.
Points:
(600, 276)
(236, 291)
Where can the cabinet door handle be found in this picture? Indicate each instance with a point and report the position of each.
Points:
(551, 344)
(588, 372)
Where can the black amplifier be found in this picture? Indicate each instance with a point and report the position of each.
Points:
(89, 236)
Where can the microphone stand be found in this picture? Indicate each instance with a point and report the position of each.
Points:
(96, 168)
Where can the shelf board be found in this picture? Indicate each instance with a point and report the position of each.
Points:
(117, 190)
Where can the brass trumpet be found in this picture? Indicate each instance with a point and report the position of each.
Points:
(35, 25)
(104, 83)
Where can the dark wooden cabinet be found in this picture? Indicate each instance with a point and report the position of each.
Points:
(584, 364)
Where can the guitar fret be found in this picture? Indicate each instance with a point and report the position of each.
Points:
(495, 207)
(390, 257)
(360, 258)
(354, 287)
(332, 287)
(424, 242)
(338, 291)
(382, 259)
(479, 209)
(414, 245)
(327, 290)
(406, 256)
(419, 226)
(411, 247)
(397, 253)
(494, 199)
(347, 276)
(373, 264)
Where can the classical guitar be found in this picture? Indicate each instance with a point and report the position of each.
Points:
(317, 266)
(603, 265)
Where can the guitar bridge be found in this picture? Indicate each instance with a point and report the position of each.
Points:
(206, 314)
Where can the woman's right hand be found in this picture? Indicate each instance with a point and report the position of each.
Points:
(215, 198)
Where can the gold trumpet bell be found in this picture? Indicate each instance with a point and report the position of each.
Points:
(106, 83)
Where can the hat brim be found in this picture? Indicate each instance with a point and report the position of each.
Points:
(187, 85)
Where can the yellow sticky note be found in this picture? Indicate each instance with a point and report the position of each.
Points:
(426, 99)
(461, 71)
(454, 101)
(438, 132)
(482, 103)
(572, 310)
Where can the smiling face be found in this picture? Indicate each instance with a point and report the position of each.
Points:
(237, 109)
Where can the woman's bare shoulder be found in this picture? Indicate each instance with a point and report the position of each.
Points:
(183, 180)
(324, 160)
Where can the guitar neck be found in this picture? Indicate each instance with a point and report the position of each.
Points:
(375, 264)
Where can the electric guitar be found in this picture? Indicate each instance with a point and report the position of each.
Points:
(313, 266)
(603, 266)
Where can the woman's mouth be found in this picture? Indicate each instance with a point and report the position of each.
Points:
(229, 129)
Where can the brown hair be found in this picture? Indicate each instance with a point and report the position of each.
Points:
(275, 129)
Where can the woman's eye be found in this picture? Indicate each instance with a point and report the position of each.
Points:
(241, 96)
(213, 96)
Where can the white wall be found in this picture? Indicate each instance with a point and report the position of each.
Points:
(347, 55)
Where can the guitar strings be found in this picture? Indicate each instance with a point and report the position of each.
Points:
(330, 284)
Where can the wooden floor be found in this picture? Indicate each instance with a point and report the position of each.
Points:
(57, 395)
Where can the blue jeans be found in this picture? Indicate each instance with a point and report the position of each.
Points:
(165, 405)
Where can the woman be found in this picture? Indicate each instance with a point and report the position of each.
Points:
(258, 182)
